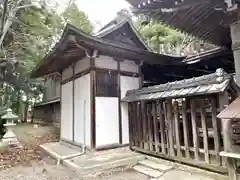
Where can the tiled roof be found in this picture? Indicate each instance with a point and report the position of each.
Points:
(208, 84)
(52, 101)
(116, 24)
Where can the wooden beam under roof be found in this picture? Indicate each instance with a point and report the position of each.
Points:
(201, 70)
(173, 75)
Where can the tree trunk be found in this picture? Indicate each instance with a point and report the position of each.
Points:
(26, 110)
(18, 103)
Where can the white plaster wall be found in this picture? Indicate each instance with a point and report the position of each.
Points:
(105, 62)
(107, 125)
(82, 65)
(57, 88)
(127, 83)
(129, 66)
(82, 131)
(67, 73)
(67, 111)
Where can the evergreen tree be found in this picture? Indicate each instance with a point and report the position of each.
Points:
(28, 32)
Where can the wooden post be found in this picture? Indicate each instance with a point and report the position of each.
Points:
(177, 128)
(130, 124)
(194, 129)
(223, 103)
(134, 112)
(185, 128)
(73, 102)
(155, 126)
(162, 127)
(166, 126)
(93, 100)
(141, 78)
(227, 142)
(205, 132)
(170, 127)
(138, 133)
(140, 121)
(216, 131)
(119, 102)
(150, 130)
(144, 123)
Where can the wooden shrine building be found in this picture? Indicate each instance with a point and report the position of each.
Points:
(108, 64)
(120, 30)
(48, 111)
(95, 75)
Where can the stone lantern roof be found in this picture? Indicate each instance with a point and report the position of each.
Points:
(9, 115)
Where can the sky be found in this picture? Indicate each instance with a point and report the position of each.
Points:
(100, 12)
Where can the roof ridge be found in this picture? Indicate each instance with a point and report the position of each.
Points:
(120, 21)
(219, 76)
(208, 84)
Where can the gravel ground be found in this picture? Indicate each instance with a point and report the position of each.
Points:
(48, 170)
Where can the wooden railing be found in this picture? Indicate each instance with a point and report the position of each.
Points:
(183, 129)
(228, 153)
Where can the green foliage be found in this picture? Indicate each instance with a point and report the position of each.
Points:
(32, 36)
(163, 39)
(77, 18)
(36, 29)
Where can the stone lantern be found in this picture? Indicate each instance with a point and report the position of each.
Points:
(10, 137)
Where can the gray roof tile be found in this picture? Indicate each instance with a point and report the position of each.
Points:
(208, 84)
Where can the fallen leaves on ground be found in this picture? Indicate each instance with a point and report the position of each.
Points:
(30, 138)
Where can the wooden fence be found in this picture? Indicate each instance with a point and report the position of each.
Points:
(184, 129)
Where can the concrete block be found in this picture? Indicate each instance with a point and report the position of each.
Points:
(147, 171)
(97, 166)
(155, 165)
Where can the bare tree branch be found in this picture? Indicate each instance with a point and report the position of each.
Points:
(5, 8)
(11, 16)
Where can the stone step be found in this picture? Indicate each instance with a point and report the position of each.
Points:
(82, 166)
(155, 165)
(147, 171)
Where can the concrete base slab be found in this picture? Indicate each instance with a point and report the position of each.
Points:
(178, 174)
(148, 171)
(188, 169)
(91, 162)
(175, 171)
(155, 165)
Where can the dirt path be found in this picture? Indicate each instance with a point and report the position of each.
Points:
(47, 169)
(30, 137)
(31, 162)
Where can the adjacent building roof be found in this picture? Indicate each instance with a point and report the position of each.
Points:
(205, 19)
(122, 30)
(55, 100)
(208, 84)
(232, 111)
(74, 43)
(216, 52)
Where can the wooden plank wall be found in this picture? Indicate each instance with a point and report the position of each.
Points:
(184, 128)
